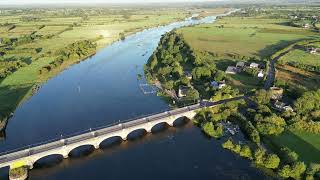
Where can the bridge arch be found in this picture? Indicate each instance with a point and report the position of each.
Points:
(44, 157)
(109, 141)
(159, 126)
(84, 149)
(136, 133)
(180, 120)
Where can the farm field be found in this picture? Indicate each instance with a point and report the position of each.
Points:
(297, 79)
(307, 145)
(248, 37)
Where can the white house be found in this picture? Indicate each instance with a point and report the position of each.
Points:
(254, 65)
(261, 74)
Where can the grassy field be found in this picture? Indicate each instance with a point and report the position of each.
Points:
(307, 145)
(244, 36)
(302, 56)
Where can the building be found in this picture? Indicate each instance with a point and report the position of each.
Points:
(222, 84)
(281, 106)
(254, 65)
(314, 50)
(306, 26)
(188, 75)
(276, 93)
(214, 84)
(261, 74)
(240, 64)
(183, 91)
(231, 70)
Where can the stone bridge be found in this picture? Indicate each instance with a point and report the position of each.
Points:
(28, 156)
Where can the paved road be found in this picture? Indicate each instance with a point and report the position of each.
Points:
(272, 70)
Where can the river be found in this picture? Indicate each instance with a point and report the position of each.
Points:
(102, 90)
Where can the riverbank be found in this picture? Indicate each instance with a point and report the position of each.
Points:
(23, 83)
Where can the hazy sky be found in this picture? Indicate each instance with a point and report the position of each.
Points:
(91, 1)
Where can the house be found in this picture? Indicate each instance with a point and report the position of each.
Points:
(183, 91)
(254, 65)
(276, 93)
(214, 84)
(218, 85)
(314, 50)
(231, 70)
(306, 26)
(281, 106)
(188, 75)
(261, 74)
(240, 65)
(222, 84)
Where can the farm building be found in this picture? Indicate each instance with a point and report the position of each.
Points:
(232, 70)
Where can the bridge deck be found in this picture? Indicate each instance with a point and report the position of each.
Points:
(14, 155)
(96, 132)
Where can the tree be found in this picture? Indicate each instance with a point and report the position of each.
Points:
(295, 171)
(259, 156)
(288, 156)
(246, 152)
(262, 97)
(272, 161)
(193, 94)
(211, 130)
(219, 76)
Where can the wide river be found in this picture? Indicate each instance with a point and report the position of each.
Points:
(102, 90)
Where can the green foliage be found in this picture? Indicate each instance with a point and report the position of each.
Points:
(74, 51)
(271, 125)
(294, 171)
(236, 148)
(272, 161)
(212, 130)
(247, 128)
(246, 152)
(309, 103)
(251, 71)
(288, 156)
(262, 97)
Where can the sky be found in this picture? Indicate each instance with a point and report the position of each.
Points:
(20, 2)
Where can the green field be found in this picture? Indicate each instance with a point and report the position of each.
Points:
(244, 36)
(307, 145)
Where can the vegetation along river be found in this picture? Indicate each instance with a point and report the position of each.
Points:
(103, 90)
